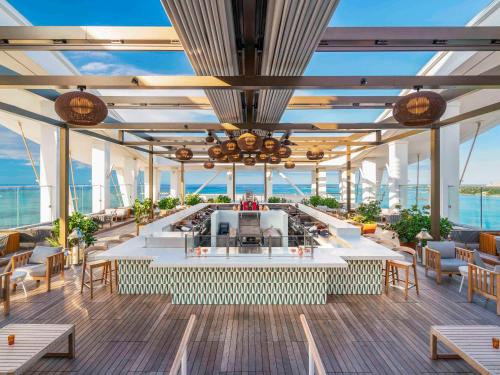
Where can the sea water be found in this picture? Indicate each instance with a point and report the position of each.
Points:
(21, 205)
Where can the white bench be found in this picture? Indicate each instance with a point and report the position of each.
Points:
(471, 343)
(32, 342)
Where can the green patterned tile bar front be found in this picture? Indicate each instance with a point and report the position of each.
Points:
(249, 285)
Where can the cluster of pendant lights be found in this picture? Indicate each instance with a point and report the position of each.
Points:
(259, 150)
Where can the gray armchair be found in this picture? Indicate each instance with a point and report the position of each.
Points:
(443, 257)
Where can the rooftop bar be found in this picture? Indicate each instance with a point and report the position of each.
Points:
(164, 261)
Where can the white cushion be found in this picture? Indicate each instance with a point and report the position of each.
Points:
(110, 211)
(40, 254)
(33, 270)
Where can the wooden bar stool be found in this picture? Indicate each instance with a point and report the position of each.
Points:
(392, 268)
(90, 264)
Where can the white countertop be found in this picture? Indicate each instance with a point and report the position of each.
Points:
(332, 251)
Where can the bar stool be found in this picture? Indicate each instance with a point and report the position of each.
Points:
(90, 264)
(392, 268)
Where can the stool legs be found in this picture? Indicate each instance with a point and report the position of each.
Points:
(105, 277)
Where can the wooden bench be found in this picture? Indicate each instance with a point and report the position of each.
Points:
(32, 342)
(470, 343)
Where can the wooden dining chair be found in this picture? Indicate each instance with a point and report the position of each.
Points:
(392, 268)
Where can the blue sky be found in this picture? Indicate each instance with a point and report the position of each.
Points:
(348, 13)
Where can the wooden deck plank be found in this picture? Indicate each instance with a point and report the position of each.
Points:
(120, 334)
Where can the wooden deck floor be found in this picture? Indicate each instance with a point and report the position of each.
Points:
(355, 334)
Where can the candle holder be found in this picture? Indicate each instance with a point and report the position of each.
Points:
(495, 342)
(11, 339)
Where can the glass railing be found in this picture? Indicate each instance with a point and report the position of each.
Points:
(20, 205)
(475, 205)
(411, 195)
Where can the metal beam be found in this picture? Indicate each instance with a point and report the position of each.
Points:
(88, 38)
(371, 39)
(250, 82)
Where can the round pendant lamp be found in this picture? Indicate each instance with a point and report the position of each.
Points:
(81, 108)
(184, 154)
(223, 159)
(289, 164)
(270, 145)
(215, 152)
(284, 152)
(235, 157)
(210, 139)
(249, 161)
(261, 157)
(249, 142)
(208, 164)
(230, 147)
(273, 159)
(315, 153)
(419, 108)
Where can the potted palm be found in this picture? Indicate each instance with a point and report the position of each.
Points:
(142, 212)
(412, 221)
(367, 215)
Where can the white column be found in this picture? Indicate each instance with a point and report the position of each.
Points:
(450, 172)
(127, 181)
(49, 173)
(343, 186)
(398, 173)
(156, 184)
(100, 176)
(320, 175)
(369, 179)
(380, 174)
(269, 182)
(229, 183)
(175, 182)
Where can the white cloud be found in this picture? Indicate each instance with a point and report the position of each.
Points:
(100, 68)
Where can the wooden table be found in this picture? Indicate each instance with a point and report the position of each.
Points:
(471, 343)
(32, 342)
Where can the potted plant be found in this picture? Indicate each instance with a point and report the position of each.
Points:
(412, 221)
(193, 199)
(276, 200)
(142, 212)
(222, 199)
(367, 215)
(84, 226)
(166, 204)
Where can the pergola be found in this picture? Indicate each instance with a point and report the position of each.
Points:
(249, 78)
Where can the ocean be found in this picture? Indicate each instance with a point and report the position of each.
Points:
(21, 205)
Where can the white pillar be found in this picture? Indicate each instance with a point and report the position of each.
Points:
(175, 182)
(100, 176)
(229, 183)
(369, 179)
(156, 184)
(49, 173)
(398, 173)
(269, 182)
(450, 172)
(127, 181)
(343, 186)
(318, 174)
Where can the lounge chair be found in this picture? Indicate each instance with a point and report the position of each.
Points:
(5, 292)
(42, 263)
(3, 244)
(484, 280)
(443, 257)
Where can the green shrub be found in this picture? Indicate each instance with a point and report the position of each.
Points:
(222, 199)
(276, 200)
(329, 202)
(368, 212)
(315, 200)
(168, 203)
(142, 210)
(413, 220)
(193, 199)
(77, 220)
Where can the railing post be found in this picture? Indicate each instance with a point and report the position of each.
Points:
(481, 207)
(186, 244)
(269, 245)
(311, 359)
(184, 363)
(17, 206)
